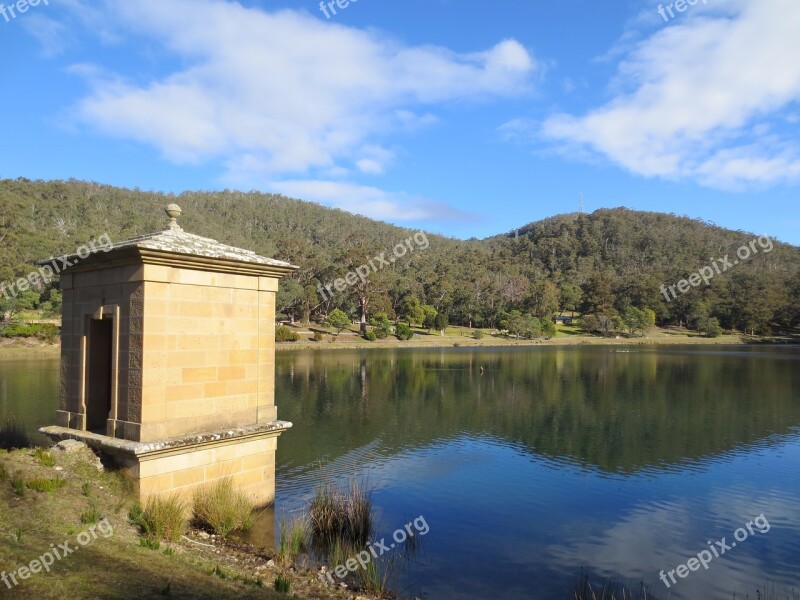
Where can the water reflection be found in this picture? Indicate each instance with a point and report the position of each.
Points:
(549, 460)
(553, 459)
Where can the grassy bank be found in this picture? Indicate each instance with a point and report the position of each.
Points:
(566, 335)
(464, 337)
(55, 497)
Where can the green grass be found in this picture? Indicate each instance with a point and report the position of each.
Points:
(44, 458)
(112, 568)
(91, 515)
(18, 483)
(282, 584)
(222, 509)
(50, 484)
(161, 518)
(294, 538)
(149, 543)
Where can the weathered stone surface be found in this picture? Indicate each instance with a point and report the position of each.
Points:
(192, 369)
(70, 446)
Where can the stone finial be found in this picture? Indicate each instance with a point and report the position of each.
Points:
(173, 212)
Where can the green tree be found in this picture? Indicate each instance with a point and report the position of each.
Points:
(548, 327)
(636, 319)
(338, 320)
(291, 295)
(403, 332)
(440, 322)
(709, 327)
(413, 311)
(544, 299)
(429, 320)
(590, 323)
(10, 307)
(51, 308)
(381, 325)
(569, 297)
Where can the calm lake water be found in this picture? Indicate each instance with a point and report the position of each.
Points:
(627, 461)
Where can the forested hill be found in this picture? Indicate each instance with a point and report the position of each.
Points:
(599, 264)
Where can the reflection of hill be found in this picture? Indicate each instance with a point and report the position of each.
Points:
(29, 392)
(620, 412)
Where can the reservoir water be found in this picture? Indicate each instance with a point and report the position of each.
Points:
(529, 464)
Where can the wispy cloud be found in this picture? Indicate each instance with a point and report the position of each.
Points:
(370, 201)
(701, 99)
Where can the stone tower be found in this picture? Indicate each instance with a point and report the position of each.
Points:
(168, 361)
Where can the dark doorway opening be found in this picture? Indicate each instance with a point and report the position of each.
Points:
(98, 375)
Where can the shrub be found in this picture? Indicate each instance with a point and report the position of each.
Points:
(709, 327)
(381, 325)
(317, 337)
(222, 509)
(338, 320)
(45, 331)
(282, 584)
(370, 336)
(477, 334)
(284, 334)
(403, 332)
(162, 518)
(590, 323)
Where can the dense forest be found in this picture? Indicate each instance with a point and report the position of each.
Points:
(614, 266)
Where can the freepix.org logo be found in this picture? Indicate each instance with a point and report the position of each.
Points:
(56, 553)
(10, 12)
(54, 266)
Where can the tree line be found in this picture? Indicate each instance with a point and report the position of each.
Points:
(609, 265)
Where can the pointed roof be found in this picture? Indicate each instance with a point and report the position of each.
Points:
(175, 247)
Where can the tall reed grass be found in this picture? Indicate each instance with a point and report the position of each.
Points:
(161, 518)
(343, 516)
(221, 508)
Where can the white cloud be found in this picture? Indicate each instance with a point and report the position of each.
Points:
(284, 92)
(374, 159)
(695, 95)
(368, 201)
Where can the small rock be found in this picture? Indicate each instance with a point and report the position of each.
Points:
(271, 563)
(69, 446)
(203, 535)
(59, 468)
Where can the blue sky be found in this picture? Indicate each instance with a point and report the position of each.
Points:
(467, 118)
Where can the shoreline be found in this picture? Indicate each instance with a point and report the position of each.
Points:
(659, 337)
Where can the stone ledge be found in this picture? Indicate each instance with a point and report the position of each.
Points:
(193, 441)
